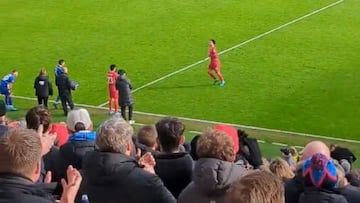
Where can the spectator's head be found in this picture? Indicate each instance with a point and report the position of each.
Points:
(38, 119)
(42, 72)
(61, 62)
(232, 133)
(15, 73)
(215, 144)
(114, 135)
(315, 147)
(320, 172)
(36, 116)
(20, 153)
(2, 113)
(255, 187)
(77, 116)
(193, 147)
(147, 136)
(281, 168)
(113, 67)
(170, 134)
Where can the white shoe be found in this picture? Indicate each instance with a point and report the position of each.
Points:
(131, 122)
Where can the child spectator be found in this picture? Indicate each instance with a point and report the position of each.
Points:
(147, 135)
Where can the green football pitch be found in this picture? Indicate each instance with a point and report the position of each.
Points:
(288, 64)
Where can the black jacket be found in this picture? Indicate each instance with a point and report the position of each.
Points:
(63, 84)
(351, 193)
(73, 152)
(123, 85)
(313, 195)
(55, 163)
(113, 177)
(15, 189)
(43, 87)
(294, 187)
(175, 170)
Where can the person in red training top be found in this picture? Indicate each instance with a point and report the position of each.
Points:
(214, 65)
(113, 93)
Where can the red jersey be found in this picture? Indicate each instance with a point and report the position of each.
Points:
(214, 58)
(111, 78)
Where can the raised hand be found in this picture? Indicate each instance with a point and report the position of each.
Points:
(71, 186)
(148, 162)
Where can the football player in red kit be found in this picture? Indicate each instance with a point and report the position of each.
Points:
(113, 93)
(214, 65)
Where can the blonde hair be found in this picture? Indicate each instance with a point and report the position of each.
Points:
(281, 168)
(255, 187)
(20, 151)
(266, 164)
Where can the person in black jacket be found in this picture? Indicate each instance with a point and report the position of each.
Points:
(81, 139)
(20, 152)
(124, 87)
(65, 86)
(173, 166)
(112, 175)
(43, 88)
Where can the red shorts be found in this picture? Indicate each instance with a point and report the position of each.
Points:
(113, 93)
(214, 66)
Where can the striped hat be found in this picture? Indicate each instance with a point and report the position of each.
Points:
(320, 172)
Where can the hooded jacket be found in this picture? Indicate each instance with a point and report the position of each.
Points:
(211, 179)
(77, 146)
(43, 87)
(114, 177)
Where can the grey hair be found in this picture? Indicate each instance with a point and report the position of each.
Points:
(114, 135)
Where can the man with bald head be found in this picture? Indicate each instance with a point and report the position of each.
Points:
(315, 147)
(294, 187)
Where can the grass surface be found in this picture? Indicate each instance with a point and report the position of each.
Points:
(301, 78)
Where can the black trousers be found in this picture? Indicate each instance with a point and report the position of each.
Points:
(66, 99)
(43, 101)
(123, 111)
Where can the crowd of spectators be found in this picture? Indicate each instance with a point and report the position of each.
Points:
(41, 161)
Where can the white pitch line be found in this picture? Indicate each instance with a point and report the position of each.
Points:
(235, 47)
(215, 122)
